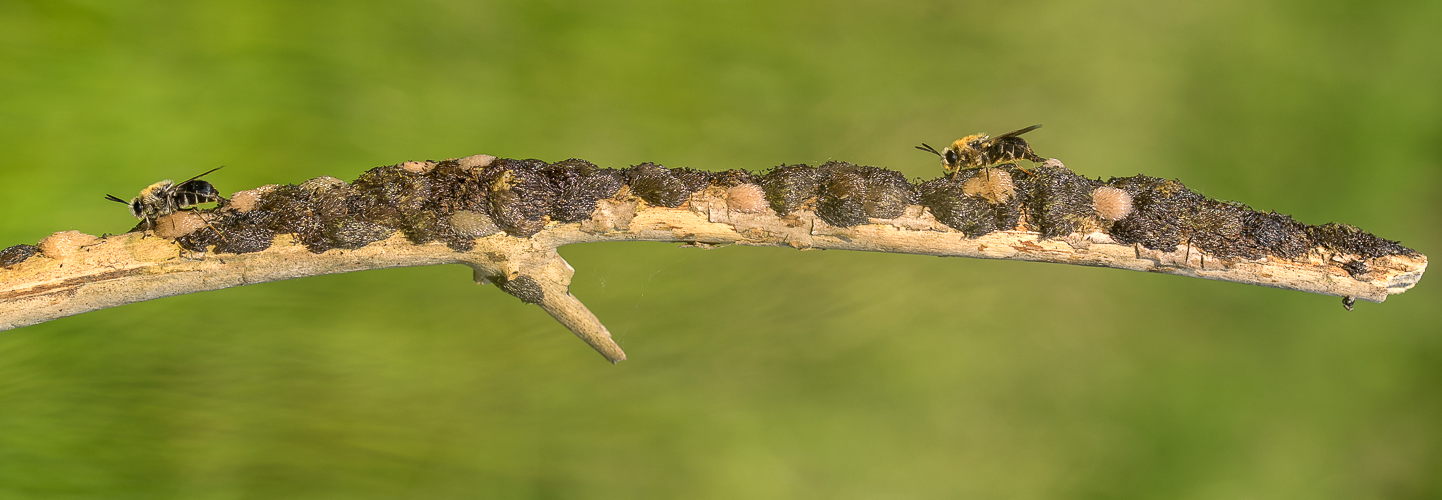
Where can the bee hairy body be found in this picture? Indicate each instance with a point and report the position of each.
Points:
(981, 151)
(166, 197)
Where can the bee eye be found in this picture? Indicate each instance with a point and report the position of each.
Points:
(950, 156)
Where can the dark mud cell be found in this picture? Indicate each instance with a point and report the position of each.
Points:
(733, 178)
(1059, 200)
(1345, 238)
(1160, 209)
(580, 185)
(233, 232)
(244, 239)
(1167, 214)
(972, 215)
(787, 187)
(1267, 233)
(694, 180)
(351, 234)
(522, 196)
(658, 185)
(16, 254)
(294, 210)
(841, 200)
(1216, 225)
(888, 193)
(523, 287)
(851, 194)
(574, 166)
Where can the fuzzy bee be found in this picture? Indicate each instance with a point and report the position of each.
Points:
(166, 197)
(981, 150)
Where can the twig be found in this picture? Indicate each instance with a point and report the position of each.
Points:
(77, 273)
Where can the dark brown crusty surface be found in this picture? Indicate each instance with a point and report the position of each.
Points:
(521, 197)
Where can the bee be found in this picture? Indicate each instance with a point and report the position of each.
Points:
(981, 151)
(166, 197)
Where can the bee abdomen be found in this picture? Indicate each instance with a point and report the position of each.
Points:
(1008, 149)
(195, 192)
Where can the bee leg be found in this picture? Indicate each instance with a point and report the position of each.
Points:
(209, 225)
(1023, 170)
(192, 255)
(1031, 157)
(1187, 258)
(216, 231)
(1201, 256)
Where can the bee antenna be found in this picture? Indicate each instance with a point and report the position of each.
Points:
(927, 147)
(112, 197)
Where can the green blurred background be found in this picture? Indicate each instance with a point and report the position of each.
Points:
(754, 372)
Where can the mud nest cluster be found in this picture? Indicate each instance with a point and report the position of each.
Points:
(455, 203)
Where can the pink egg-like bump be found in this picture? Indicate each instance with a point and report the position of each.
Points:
(178, 224)
(991, 184)
(473, 224)
(475, 161)
(1112, 203)
(245, 201)
(323, 184)
(418, 167)
(64, 244)
(747, 199)
(1053, 163)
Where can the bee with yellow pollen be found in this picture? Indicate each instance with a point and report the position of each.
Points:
(982, 151)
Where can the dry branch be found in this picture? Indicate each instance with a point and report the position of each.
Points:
(70, 273)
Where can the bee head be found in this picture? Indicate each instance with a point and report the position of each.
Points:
(950, 159)
(965, 152)
(136, 209)
(948, 156)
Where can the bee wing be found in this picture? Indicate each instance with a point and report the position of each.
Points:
(927, 147)
(1015, 133)
(112, 197)
(207, 172)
